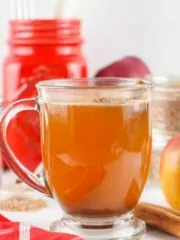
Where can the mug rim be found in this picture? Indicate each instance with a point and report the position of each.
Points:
(120, 83)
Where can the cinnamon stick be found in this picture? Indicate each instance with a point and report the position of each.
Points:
(162, 218)
(171, 210)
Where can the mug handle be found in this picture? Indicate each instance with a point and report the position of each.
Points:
(7, 154)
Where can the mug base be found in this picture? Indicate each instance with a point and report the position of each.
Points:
(118, 228)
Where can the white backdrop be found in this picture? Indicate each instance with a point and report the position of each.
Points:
(114, 28)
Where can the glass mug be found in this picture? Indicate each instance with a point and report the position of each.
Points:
(96, 148)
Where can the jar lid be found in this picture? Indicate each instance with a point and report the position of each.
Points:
(45, 32)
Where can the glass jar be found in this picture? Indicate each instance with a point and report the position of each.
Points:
(39, 50)
(166, 107)
(165, 117)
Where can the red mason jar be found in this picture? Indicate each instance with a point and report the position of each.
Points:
(39, 50)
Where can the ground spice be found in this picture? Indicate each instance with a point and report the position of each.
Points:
(22, 204)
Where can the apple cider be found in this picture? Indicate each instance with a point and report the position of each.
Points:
(96, 156)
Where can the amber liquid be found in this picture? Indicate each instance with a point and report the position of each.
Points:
(96, 157)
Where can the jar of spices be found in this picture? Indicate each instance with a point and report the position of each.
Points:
(165, 117)
(38, 50)
(166, 107)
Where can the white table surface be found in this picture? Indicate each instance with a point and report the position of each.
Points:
(53, 211)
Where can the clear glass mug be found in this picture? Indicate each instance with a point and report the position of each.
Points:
(96, 148)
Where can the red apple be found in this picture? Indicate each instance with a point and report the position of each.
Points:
(127, 67)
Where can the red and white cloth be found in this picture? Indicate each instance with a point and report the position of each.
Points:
(20, 231)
